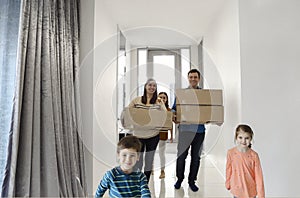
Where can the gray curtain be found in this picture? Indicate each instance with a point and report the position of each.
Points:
(46, 151)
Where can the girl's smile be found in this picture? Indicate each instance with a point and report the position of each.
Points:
(243, 141)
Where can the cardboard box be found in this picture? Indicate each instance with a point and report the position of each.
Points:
(199, 96)
(199, 114)
(135, 118)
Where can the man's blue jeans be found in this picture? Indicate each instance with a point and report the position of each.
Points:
(188, 140)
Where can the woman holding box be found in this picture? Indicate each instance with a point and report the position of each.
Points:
(148, 138)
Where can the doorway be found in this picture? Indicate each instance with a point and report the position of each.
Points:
(169, 67)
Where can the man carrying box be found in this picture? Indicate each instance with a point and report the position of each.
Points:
(190, 135)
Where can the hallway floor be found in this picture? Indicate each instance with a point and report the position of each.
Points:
(209, 181)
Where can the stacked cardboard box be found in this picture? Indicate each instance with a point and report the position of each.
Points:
(137, 118)
(199, 106)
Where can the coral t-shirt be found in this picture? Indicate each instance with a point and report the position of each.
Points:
(244, 176)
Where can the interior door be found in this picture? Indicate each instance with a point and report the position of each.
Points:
(164, 66)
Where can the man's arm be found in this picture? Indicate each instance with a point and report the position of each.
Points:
(174, 112)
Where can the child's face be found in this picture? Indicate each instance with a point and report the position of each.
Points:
(127, 159)
(163, 97)
(243, 139)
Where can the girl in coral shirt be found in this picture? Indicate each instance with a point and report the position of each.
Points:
(244, 176)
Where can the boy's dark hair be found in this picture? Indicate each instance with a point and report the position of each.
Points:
(194, 71)
(129, 142)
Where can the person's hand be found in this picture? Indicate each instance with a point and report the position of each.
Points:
(158, 100)
(162, 105)
(171, 140)
(227, 186)
(219, 124)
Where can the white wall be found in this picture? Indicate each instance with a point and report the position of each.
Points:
(105, 54)
(98, 88)
(222, 71)
(270, 64)
(86, 84)
(133, 74)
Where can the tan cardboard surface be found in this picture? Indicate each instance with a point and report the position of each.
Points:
(146, 119)
(199, 96)
(197, 114)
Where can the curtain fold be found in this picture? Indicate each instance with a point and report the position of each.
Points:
(46, 149)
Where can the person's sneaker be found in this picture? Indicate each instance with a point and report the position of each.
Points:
(177, 185)
(193, 187)
(162, 174)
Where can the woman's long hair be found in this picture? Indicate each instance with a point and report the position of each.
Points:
(154, 97)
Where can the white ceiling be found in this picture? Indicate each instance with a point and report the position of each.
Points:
(167, 22)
